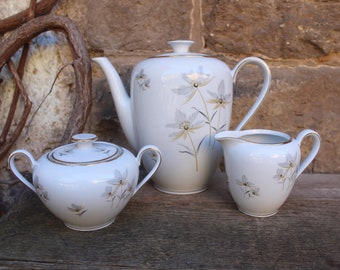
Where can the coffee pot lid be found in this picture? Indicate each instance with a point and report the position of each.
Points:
(181, 48)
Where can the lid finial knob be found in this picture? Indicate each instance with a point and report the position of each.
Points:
(181, 46)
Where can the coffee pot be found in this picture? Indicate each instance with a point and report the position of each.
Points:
(178, 102)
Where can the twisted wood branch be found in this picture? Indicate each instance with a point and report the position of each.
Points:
(81, 63)
(12, 22)
(18, 91)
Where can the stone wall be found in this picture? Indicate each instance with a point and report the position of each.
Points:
(298, 39)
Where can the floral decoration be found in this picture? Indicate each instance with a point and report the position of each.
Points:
(42, 193)
(186, 126)
(142, 80)
(118, 189)
(249, 189)
(79, 210)
(191, 116)
(203, 115)
(287, 171)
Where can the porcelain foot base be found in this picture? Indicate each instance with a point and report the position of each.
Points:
(177, 192)
(257, 214)
(87, 229)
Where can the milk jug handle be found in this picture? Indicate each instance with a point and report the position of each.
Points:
(265, 87)
(11, 163)
(145, 150)
(313, 151)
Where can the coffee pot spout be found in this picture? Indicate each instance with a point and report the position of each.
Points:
(121, 99)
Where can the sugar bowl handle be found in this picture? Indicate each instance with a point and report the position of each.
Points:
(145, 150)
(11, 163)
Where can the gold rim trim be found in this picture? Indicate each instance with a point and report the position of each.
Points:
(116, 155)
(285, 138)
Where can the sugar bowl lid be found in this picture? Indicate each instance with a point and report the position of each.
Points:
(85, 150)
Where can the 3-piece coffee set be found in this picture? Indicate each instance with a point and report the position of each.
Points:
(178, 119)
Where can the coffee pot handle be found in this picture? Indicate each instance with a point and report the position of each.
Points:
(313, 151)
(145, 150)
(11, 163)
(265, 87)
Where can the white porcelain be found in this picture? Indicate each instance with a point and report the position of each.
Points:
(86, 183)
(262, 166)
(179, 101)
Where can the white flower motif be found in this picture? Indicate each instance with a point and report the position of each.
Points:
(220, 99)
(244, 182)
(184, 124)
(195, 80)
(119, 188)
(79, 210)
(249, 188)
(185, 127)
(287, 170)
(142, 80)
(289, 163)
(280, 175)
(42, 193)
(252, 192)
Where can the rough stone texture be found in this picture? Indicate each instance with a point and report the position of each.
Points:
(9, 8)
(130, 25)
(298, 39)
(140, 32)
(272, 29)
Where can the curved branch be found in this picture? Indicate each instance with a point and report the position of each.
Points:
(15, 99)
(25, 114)
(12, 22)
(81, 63)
